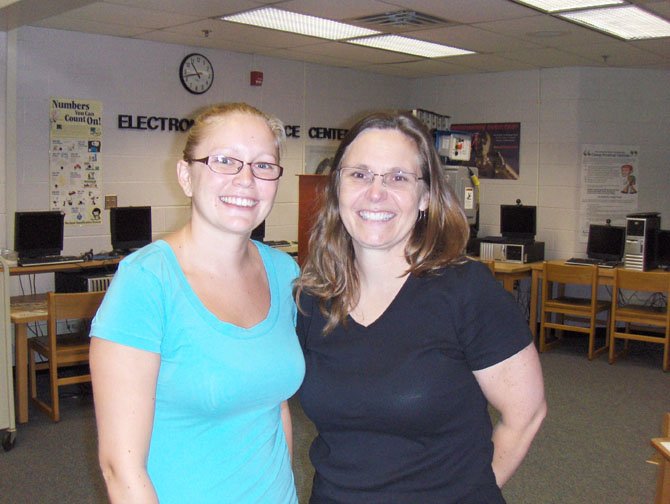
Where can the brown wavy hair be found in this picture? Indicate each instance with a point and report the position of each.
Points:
(329, 273)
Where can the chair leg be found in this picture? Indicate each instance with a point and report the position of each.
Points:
(595, 352)
(33, 374)
(53, 386)
(613, 354)
(544, 330)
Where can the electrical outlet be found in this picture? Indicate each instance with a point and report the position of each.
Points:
(110, 201)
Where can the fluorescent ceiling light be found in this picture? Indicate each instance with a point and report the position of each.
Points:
(409, 46)
(630, 22)
(276, 19)
(564, 5)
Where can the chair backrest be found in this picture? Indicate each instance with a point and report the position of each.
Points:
(641, 281)
(645, 281)
(571, 274)
(72, 305)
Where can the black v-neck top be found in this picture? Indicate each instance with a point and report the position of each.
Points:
(400, 416)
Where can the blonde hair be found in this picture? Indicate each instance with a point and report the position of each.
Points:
(213, 114)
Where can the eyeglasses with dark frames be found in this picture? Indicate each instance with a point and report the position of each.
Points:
(226, 165)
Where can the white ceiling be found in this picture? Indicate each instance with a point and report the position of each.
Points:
(506, 36)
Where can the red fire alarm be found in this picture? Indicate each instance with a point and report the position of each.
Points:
(256, 78)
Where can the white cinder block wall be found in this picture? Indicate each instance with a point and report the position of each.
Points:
(141, 78)
(3, 131)
(559, 110)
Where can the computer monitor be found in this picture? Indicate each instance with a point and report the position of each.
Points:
(518, 221)
(663, 248)
(258, 233)
(38, 234)
(606, 242)
(130, 227)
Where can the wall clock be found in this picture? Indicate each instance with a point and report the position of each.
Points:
(196, 73)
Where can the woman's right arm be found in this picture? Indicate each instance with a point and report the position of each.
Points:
(124, 390)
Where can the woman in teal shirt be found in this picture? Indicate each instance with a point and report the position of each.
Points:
(194, 351)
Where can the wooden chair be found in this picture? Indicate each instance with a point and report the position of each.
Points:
(555, 308)
(660, 459)
(637, 316)
(63, 350)
(655, 459)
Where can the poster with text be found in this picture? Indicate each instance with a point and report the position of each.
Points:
(75, 163)
(495, 148)
(609, 185)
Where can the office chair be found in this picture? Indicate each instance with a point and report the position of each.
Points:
(639, 318)
(560, 306)
(62, 350)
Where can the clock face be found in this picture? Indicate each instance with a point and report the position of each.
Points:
(196, 73)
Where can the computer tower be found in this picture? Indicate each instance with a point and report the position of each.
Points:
(83, 281)
(640, 248)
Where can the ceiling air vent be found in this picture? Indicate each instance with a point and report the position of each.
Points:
(401, 19)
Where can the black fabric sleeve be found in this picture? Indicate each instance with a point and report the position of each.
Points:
(493, 326)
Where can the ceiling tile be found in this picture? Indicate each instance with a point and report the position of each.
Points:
(474, 39)
(507, 36)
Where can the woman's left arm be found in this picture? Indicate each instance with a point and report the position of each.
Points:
(516, 389)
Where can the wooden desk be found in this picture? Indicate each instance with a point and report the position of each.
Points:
(53, 268)
(662, 445)
(23, 310)
(508, 273)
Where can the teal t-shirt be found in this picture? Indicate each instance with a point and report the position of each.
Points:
(217, 435)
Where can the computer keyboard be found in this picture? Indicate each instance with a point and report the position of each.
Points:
(585, 261)
(39, 261)
(103, 256)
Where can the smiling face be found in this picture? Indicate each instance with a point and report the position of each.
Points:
(232, 203)
(376, 217)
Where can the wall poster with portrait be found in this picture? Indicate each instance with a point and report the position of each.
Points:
(609, 185)
(319, 159)
(495, 148)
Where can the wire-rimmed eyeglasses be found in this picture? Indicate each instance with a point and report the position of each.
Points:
(396, 179)
(226, 165)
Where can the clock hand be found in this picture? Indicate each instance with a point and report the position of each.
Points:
(196, 70)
